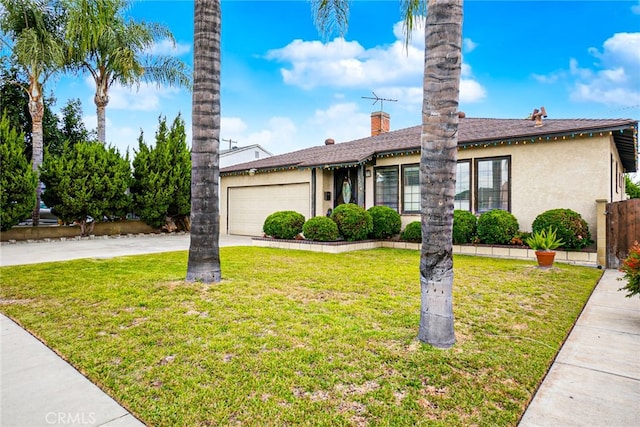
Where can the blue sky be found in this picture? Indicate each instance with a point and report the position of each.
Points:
(285, 87)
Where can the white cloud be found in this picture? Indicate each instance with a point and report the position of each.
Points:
(169, 48)
(145, 97)
(344, 64)
(231, 126)
(341, 122)
(279, 136)
(469, 45)
(614, 80)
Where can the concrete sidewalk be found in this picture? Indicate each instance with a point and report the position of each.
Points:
(595, 379)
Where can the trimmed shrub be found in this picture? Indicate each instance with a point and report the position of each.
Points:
(354, 223)
(631, 269)
(386, 222)
(465, 225)
(412, 232)
(283, 224)
(497, 227)
(320, 229)
(569, 226)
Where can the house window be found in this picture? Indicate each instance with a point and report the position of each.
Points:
(386, 190)
(462, 199)
(411, 189)
(257, 154)
(492, 184)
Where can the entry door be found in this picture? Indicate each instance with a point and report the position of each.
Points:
(345, 183)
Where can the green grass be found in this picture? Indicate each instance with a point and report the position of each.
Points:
(293, 337)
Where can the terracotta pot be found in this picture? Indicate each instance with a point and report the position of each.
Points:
(545, 258)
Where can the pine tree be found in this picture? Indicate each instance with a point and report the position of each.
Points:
(162, 177)
(87, 181)
(18, 180)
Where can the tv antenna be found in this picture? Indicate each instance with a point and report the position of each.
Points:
(376, 98)
(230, 141)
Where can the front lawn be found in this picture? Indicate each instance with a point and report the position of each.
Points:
(294, 337)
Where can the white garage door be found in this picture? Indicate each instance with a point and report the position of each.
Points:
(250, 206)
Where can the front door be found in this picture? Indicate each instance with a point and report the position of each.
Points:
(345, 182)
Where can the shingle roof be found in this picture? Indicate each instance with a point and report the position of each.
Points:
(471, 132)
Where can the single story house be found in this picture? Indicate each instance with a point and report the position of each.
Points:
(234, 154)
(518, 165)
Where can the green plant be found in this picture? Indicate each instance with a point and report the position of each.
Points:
(17, 179)
(569, 225)
(412, 232)
(162, 175)
(354, 223)
(87, 180)
(631, 269)
(321, 229)
(497, 227)
(283, 224)
(544, 240)
(386, 222)
(465, 225)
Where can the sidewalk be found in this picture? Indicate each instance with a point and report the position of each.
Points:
(37, 387)
(595, 379)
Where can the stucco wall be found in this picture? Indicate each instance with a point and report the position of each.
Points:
(259, 179)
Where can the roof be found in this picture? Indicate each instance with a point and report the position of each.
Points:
(472, 132)
(234, 150)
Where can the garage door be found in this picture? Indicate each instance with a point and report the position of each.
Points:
(250, 206)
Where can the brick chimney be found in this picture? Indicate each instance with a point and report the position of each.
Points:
(379, 122)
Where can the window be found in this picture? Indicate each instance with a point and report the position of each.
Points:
(493, 185)
(386, 190)
(462, 199)
(411, 189)
(257, 154)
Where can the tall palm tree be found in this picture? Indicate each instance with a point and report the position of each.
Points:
(441, 88)
(113, 49)
(31, 31)
(204, 251)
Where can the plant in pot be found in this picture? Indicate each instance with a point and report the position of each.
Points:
(544, 242)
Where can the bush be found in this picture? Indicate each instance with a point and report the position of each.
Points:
(354, 223)
(497, 227)
(569, 226)
(283, 224)
(321, 229)
(465, 225)
(18, 181)
(162, 176)
(631, 269)
(386, 222)
(412, 232)
(87, 180)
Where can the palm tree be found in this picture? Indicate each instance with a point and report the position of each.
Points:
(441, 88)
(31, 31)
(204, 251)
(113, 49)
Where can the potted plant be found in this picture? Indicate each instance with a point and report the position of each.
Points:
(544, 242)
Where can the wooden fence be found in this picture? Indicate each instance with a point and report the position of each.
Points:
(623, 229)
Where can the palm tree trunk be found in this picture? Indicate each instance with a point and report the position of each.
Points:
(443, 58)
(101, 100)
(204, 257)
(36, 110)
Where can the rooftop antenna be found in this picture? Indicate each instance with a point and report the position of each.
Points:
(376, 98)
(230, 141)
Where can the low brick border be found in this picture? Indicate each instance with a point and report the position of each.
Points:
(566, 257)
